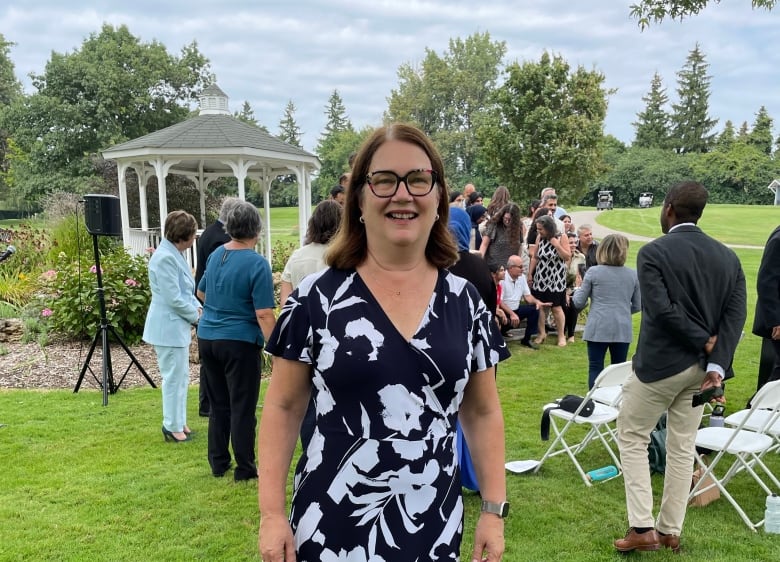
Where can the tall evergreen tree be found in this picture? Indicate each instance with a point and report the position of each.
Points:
(247, 115)
(336, 113)
(652, 124)
(289, 131)
(761, 134)
(727, 136)
(744, 132)
(691, 123)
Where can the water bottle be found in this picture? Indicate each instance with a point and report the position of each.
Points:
(772, 514)
(716, 417)
(603, 473)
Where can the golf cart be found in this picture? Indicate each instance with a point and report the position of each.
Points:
(645, 200)
(604, 201)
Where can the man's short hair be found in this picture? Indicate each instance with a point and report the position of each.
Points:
(545, 191)
(583, 227)
(335, 190)
(549, 197)
(688, 200)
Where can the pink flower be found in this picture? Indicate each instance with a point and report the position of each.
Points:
(131, 282)
(93, 269)
(150, 250)
(49, 275)
(46, 312)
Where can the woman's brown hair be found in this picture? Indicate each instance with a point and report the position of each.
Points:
(180, 226)
(349, 247)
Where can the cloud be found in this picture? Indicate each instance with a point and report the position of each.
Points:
(271, 52)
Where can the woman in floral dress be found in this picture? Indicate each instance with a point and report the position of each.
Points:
(393, 349)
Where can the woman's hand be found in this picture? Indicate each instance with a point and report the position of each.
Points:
(275, 539)
(488, 538)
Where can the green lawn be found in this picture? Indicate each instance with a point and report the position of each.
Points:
(731, 224)
(84, 482)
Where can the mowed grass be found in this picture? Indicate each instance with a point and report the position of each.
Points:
(84, 482)
(747, 225)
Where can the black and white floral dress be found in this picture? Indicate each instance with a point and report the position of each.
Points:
(379, 480)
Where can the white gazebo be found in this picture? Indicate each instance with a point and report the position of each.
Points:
(212, 145)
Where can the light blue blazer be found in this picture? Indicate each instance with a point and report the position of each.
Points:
(174, 307)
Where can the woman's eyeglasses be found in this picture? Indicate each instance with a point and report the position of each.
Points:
(384, 183)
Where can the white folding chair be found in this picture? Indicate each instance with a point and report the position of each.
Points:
(612, 394)
(598, 423)
(748, 442)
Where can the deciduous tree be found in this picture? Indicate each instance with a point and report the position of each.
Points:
(112, 89)
(444, 94)
(544, 127)
(647, 11)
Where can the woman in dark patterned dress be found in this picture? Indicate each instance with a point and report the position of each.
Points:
(393, 349)
(503, 236)
(547, 275)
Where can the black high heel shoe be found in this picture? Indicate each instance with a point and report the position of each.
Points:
(169, 436)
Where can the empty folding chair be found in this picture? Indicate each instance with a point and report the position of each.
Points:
(598, 422)
(747, 443)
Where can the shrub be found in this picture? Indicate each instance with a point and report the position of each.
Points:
(70, 291)
(281, 252)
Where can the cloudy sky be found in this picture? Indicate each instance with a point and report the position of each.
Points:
(269, 52)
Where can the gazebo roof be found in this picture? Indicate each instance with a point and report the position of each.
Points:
(210, 132)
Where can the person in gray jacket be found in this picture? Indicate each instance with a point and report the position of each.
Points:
(613, 290)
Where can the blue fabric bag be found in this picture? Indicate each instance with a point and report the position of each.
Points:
(468, 476)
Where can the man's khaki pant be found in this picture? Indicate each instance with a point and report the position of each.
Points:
(642, 405)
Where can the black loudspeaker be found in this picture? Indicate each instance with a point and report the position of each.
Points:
(102, 215)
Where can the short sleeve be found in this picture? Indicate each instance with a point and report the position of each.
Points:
(292, 336)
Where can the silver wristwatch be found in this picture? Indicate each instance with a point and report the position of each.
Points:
(501, 509)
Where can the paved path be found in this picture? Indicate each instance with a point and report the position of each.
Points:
(599, 231)
(589, 217)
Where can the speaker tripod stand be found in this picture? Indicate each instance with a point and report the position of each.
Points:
(107, 382)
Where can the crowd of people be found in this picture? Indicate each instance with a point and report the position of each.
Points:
(393, 318)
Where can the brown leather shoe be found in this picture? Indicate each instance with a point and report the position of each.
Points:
(670, 541)
(638, 541)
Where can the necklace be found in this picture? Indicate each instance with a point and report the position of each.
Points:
(392, 292)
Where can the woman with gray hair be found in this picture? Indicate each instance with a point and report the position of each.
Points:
(238, 317)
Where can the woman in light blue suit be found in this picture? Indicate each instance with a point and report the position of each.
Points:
(174, 309)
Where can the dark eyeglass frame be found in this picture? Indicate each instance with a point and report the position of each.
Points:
(399, 179)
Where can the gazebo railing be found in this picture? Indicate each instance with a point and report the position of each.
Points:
(140, 241)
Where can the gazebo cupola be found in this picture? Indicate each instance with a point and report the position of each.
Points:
(213, 101)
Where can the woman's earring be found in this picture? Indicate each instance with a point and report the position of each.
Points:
(362, 220)
(437, 216)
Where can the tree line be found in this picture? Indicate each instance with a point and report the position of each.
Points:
(522, 124)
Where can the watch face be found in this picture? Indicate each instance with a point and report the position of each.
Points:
(504, 509)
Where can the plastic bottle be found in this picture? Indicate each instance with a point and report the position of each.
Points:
(603, 473)
(716, 417)
(772, 514)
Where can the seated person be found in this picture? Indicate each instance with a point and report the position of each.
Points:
(517, 301)
(498, 273)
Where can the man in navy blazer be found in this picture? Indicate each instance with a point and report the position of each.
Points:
(767, 319)
(212, 238)
(693, 313)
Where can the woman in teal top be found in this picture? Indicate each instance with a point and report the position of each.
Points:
(238, 302)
